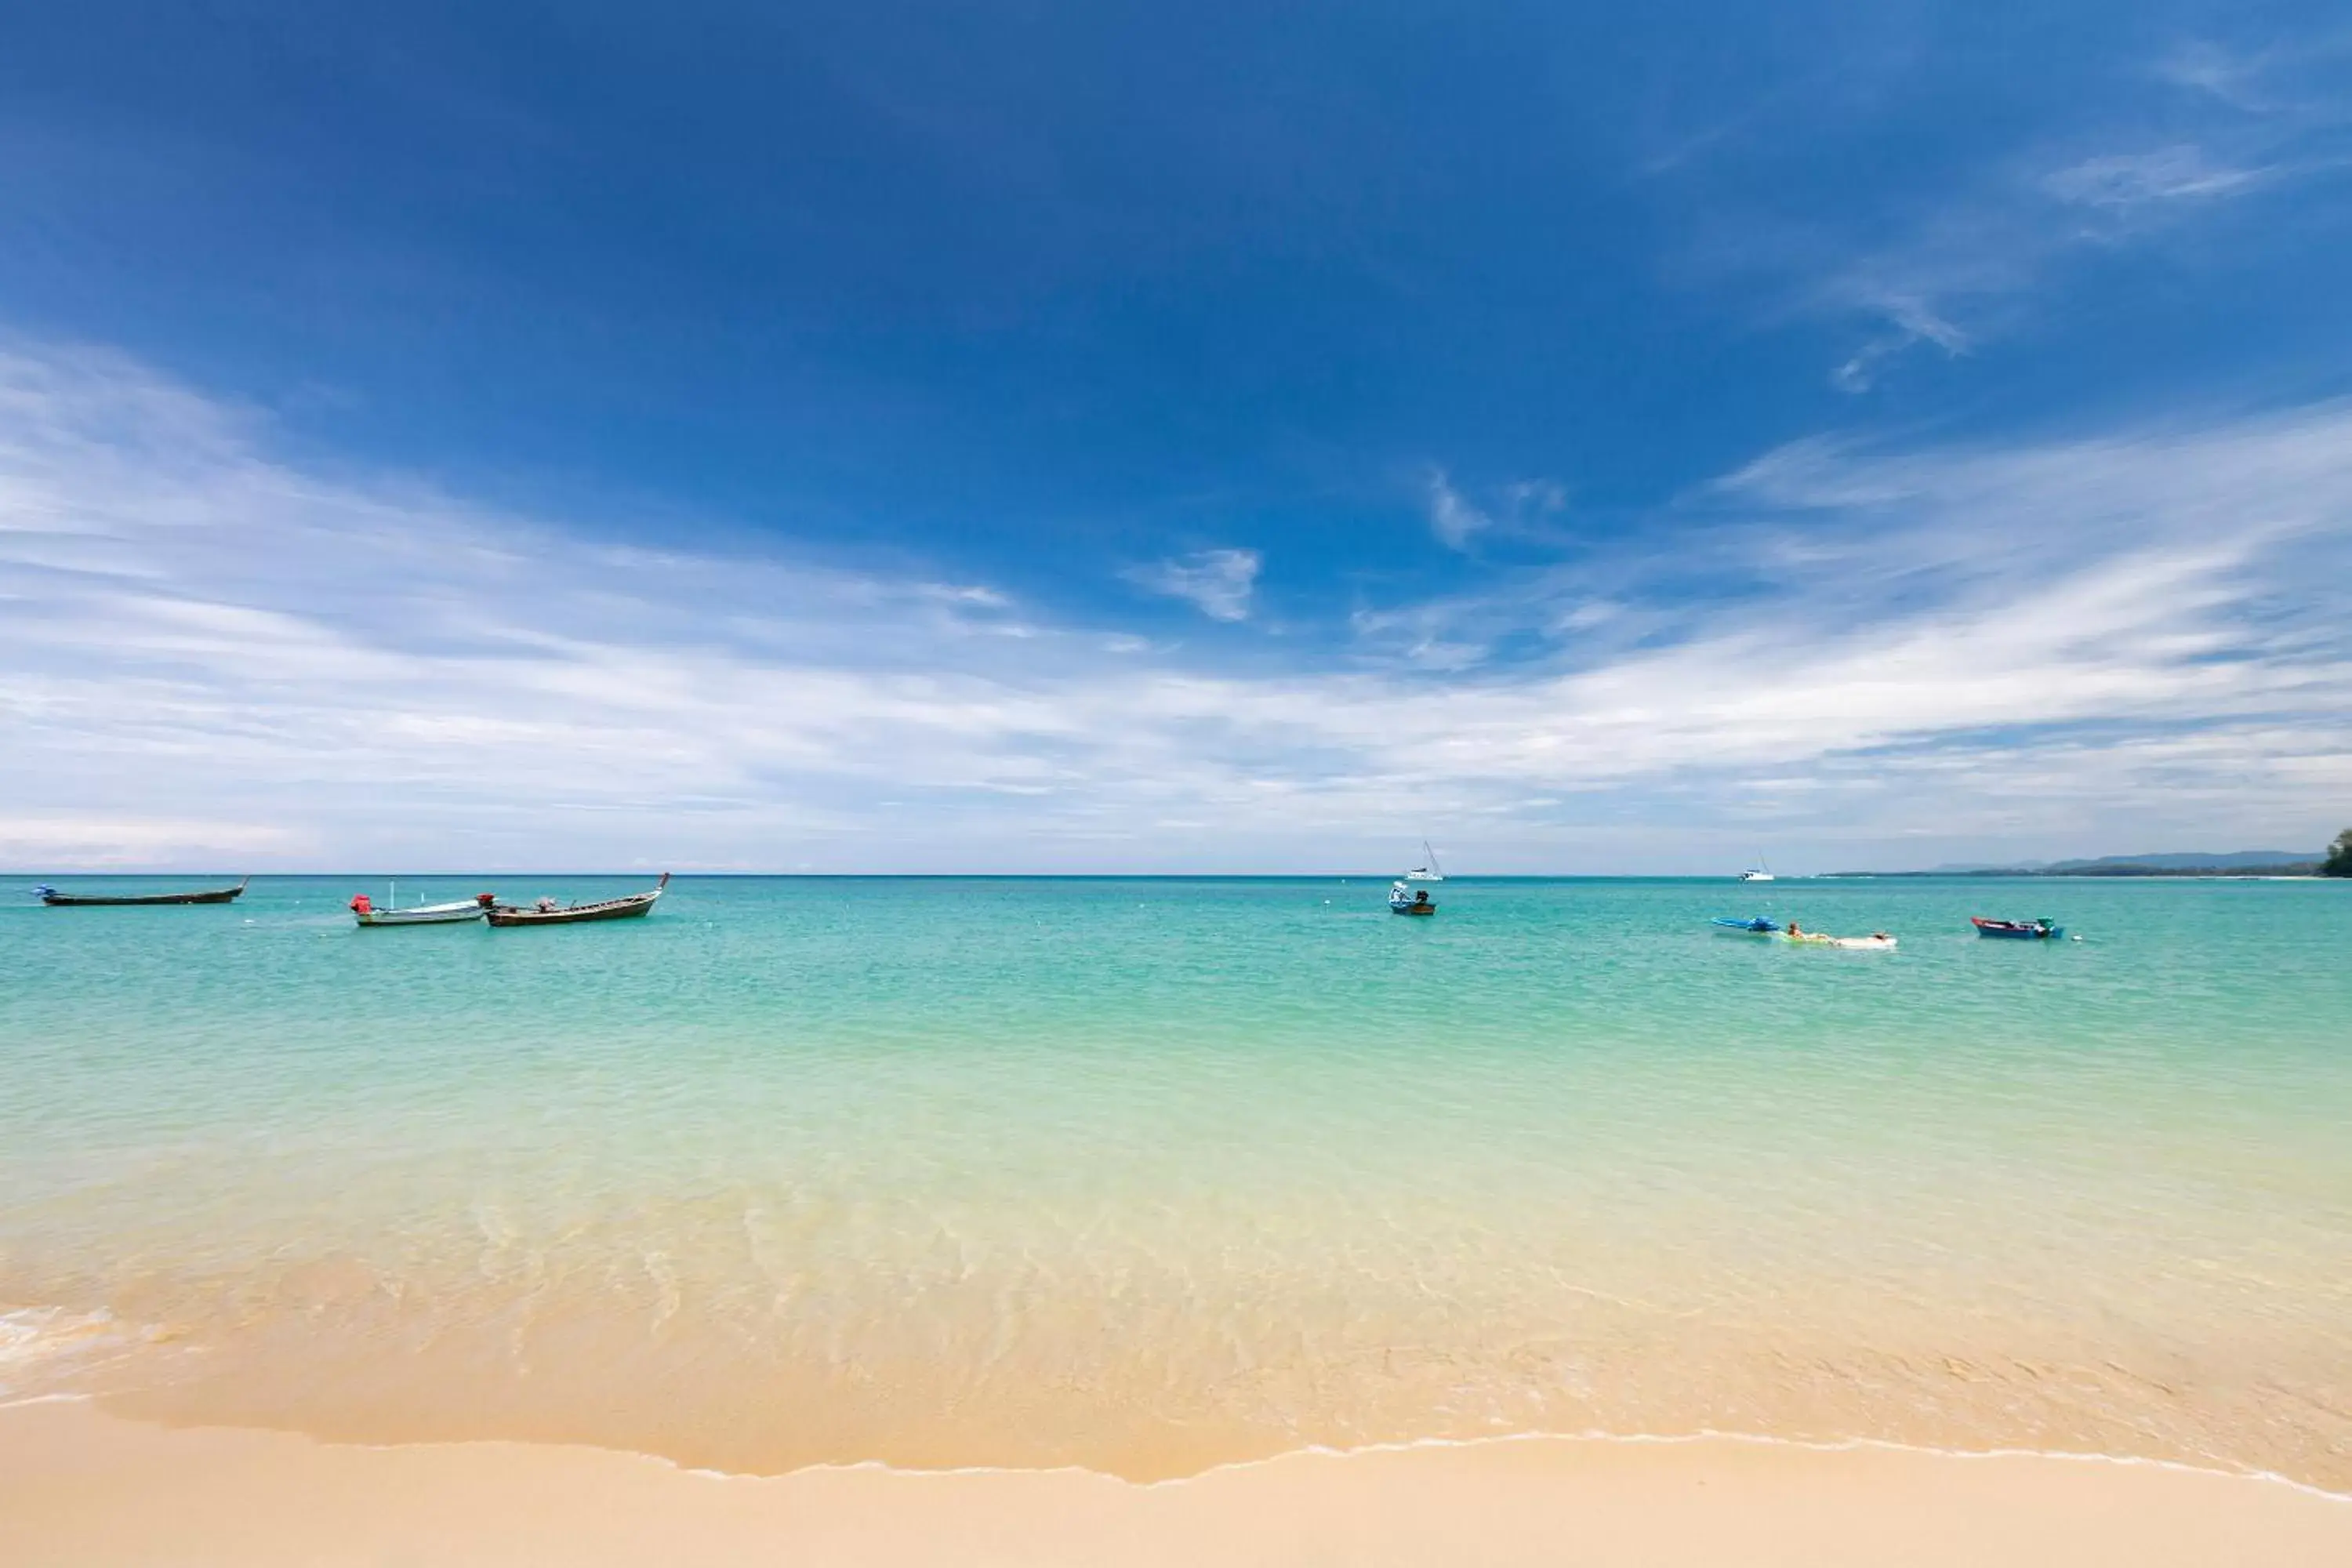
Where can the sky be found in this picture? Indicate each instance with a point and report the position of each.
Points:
(1037, 437)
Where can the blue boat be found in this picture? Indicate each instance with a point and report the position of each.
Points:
(1754, 924)
(2024, 931)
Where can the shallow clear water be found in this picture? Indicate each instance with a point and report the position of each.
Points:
(1148, 1175)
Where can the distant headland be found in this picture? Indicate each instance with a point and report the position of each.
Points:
(2335, 861)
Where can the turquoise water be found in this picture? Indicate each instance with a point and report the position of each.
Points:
(1148, 1174)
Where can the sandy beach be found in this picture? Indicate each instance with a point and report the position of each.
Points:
(82, 1487)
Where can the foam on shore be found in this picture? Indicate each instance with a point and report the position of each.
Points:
(80, 1486)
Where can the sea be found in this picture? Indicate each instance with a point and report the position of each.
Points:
(1153, 1175)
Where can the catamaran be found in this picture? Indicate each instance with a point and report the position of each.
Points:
(1429, 870)
(1758, 872)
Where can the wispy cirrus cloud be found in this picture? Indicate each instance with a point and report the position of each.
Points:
(2127, 180)
(1515, 509)
(1962, 269)
(2296, 78)
(2229, 75)
(1218, 583)
(207, 653)
(1452, 516)
(1958, 276)
(1906, 302)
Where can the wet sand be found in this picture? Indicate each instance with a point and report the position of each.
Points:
(80, 1486)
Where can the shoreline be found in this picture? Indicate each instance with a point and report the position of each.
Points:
(80, 1485)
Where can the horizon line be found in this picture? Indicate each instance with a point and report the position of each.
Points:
(1732, 879)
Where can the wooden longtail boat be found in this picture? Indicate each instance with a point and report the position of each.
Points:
(51, 897)
(549, 913)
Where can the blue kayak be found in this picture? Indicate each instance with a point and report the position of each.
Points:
(1755, 923)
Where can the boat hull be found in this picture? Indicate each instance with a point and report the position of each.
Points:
(635, 906)
(2012, 931)
(1412, 908)
(458, 915)
(619, 910)
(80, 901)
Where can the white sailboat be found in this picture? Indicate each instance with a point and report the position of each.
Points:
(1429, 870)
(1759, 872)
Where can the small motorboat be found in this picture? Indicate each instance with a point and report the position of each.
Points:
(472, 909)
(55, 899)
(2024, 931)
(1405, 900)
(1754, 925)
(548, 913)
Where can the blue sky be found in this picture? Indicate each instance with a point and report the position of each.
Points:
(1035, 437)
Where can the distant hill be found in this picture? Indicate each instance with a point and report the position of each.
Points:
(1978, 868)
(2240, 863)
(2126, 865)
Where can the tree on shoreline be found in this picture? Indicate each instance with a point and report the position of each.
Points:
(2339, 857)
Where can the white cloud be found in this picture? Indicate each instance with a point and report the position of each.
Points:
(1452, 517)
(2300, 79)
(1531, 498)
(1220, 583)
(106, 841)
(208, 656)
(1911, 321)
(1961, 265)
(1519, 511)
(1959, 275)
(2127, 180)
(1975, 252)
(2206, 66)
